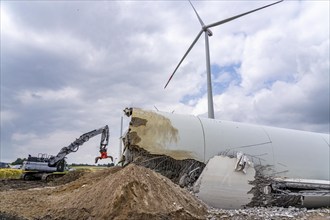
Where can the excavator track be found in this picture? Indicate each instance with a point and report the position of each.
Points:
(48, 177)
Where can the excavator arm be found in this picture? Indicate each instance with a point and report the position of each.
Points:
(74, 146)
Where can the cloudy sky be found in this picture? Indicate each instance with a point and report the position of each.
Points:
(68, 67)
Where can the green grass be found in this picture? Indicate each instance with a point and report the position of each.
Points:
(8, 173)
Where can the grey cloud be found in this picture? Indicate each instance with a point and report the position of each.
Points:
(120, 53)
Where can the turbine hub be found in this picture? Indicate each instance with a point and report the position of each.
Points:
(209, 32)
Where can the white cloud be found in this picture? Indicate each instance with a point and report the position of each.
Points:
(46, 95)
(67, 71)
(23, 137)
(51, 144)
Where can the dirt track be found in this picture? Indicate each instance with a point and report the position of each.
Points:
(132, 192)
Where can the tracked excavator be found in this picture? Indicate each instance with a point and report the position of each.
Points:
(47, 168)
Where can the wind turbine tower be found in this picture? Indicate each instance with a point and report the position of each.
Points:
(208, 33)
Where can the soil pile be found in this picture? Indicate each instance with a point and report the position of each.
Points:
(13, 184)
(132, 192)
(69, 177)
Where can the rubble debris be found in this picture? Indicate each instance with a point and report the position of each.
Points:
(136, 122)
(270, 213)
(128, 111)
(242, 162)
(182, 172)
(269, 191)
(263, 194)
(221, 186)
(145, 143)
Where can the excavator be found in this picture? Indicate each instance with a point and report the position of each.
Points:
(47, 168)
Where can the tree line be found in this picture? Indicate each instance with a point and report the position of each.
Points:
(19, 161)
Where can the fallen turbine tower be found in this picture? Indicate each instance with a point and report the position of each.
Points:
(229, 164)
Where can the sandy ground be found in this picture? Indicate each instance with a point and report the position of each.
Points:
(132, 192)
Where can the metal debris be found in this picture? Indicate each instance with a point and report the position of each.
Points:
(242, 162)
(264, 194)
(269, 191)
(182, 172)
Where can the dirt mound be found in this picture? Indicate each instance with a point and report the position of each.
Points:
(69, 177)
(132, 192)
(18, 184)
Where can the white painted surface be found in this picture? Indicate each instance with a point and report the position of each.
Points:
(221, 186)
(290, 153)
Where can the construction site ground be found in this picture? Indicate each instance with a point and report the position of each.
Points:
(132, 192)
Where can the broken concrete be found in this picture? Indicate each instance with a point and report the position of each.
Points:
(269, 191)
(263, 194)
(221, 186)
(136, 122)
(182, 172)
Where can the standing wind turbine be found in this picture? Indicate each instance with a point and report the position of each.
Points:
(205, 28)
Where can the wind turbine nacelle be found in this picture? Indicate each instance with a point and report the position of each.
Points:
(209, 32)
(238, 164)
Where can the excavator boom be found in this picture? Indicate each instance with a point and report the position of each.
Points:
(47, 168)
(74, 146)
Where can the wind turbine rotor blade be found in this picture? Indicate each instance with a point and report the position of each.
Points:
(184, 56)
(209, 32)
(199, 18)
(237, 16)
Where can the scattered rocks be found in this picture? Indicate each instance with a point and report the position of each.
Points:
(270, 213)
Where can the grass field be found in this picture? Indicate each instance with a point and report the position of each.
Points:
(91, 168)
(8, 173)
